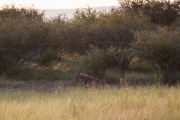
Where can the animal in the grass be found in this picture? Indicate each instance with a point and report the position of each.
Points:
(86, 79)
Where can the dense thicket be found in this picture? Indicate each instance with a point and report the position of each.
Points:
(162, 49)
(163, 12)
(23, 35)
(105, 39)
(113, 29)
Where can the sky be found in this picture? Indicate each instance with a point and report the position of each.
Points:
(60, 4)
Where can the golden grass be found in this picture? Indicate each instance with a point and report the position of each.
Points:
(140, 103)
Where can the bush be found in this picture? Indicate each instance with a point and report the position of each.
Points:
(162, 49)
(138, 65)
(92, 63)
(47, 57)
(18, 72)
(97, 61)
(139, 78)
(23, 35)
(112, 76)
(163, 12)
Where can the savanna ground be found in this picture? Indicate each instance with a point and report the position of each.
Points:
(56, 95)
(103, 44)
(63, 99)
(103, 103)
(59, 97)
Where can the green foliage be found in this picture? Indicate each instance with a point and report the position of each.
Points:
(47, 57)
(108, 29)
(162, 49)
(86, 15)
(97, 61)
(140, 79)
(91, 64)
(58, 35)
(74, 37)
(26, 36)
(3, 63)
(105, 29)
(131, 78)
(13, 12)
(113, 77)
(141, 66)
(18, 72)
(21, 39)
(163, 12)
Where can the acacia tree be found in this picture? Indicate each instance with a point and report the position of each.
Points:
(13, 12)
(104, 30)
(162, 49)
(23, 35)
(116, 29)
(163, 12)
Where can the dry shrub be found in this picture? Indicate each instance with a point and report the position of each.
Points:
(135, 78)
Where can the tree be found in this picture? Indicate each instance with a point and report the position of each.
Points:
(86, 15)
(57, 41)
(162, 49)
(108, 29)
(160, 12)
(22, 37)
(116, 29)
(13, 12)
(97, 61)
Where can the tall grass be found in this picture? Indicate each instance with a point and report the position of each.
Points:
(148, 103)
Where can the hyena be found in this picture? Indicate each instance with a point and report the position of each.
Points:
(86, 79)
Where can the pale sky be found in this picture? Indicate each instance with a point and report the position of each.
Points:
(60, 4)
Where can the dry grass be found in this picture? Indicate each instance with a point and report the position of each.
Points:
(148, 103)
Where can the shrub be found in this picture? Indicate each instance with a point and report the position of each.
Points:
(138, 65)
(19, 72)
(92, 63)
(23, 35)
(163, 12)
(139, 78)
(47, 57)
(24, 72)
(97, 61)
(112, 76)
(162, 49)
